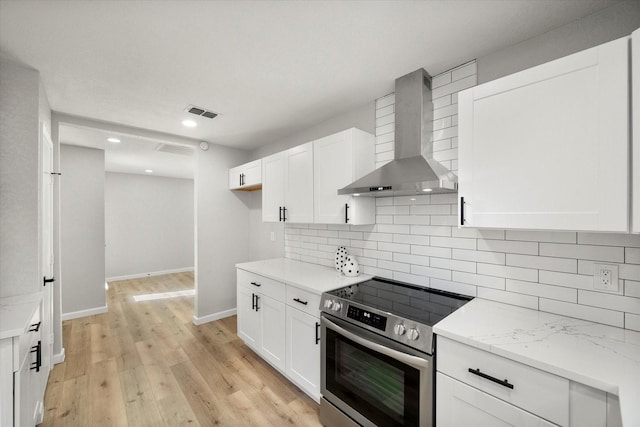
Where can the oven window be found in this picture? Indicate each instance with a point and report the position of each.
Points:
(380, 388)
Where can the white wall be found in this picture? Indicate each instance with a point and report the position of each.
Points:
(22, 107)
(82, 231)
(222, 235)
(148, 224)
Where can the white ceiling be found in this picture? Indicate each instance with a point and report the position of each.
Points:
(271, 68)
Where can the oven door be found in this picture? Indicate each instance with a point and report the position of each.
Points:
(374, 380)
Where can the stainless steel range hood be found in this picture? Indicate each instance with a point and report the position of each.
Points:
(413, 170)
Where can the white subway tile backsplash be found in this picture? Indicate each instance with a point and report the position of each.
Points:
(632, 255)
(593, 314)
(507, 246)
(632, 288)
(479, 280)
(512, 298)
(596, 253)
(610, 301)
(544, 263)
(440, 80)
(545, 291)
(632, 321)
(416, 239)
(542, 236)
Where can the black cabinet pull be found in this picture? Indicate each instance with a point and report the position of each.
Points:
(35, 327)
(253, 301)
(257, 299)
(300, 301)
(503, 383)
(240, 180)
(462, 210)
(284, 214)
(279, 213)
(346, 213)
(317, 333)
(45, 280)
(37, 349)
(256, 284)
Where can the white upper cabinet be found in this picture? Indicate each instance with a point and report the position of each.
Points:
(635, 150)
(287, 179)
(246, 177)
(548, 147)
(338, 160)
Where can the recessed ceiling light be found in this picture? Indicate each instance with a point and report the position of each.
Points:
(189, 123)
(426, 190)
(114, 140)
(148, 170)
(356, 194)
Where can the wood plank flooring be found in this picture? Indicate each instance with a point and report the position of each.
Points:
(146, 364)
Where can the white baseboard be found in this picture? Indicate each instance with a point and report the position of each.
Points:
(153, 273)
(58, 358)
(215, 316)
(83, 313)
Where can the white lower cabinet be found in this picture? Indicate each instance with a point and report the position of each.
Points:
(479, 388)
(303, 351)
(281, 323)
(459, 404)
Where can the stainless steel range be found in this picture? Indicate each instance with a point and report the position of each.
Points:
(378, 352)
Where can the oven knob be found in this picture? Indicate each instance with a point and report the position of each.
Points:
(336, 306)
(328, 303)
(400, 329)
(413, 334)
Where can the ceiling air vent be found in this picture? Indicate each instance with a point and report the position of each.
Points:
(201, 112)
(180, 150)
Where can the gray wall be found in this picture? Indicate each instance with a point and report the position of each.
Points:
(23, 106)
(148, 224)
(82, 230)
(609, 24)
(222, 237)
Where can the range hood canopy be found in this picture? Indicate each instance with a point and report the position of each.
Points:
(413, 170)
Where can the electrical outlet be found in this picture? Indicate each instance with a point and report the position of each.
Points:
(605, 277)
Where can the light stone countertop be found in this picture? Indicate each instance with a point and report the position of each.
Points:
(311, 277)
(16, 313)
(603, 357)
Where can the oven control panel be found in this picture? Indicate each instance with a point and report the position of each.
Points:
(368, 318)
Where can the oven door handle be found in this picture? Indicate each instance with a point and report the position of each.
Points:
(414, 361)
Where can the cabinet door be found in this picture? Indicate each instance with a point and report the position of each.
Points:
(635, 150)
(298, 187)
(547, 148)
(252, 174)
(272, 187)
(234, 177)
(303, 351)
(248, 318)
(338, 160)
(272, 330)
(458, 404)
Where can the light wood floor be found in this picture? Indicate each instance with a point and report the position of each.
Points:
(147, 364)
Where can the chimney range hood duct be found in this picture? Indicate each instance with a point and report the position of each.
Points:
(413, 170)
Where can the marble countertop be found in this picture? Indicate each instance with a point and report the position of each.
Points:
(304, 275)
(603, 357)
(16, 313)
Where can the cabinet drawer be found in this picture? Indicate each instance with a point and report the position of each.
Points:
(27, 340)
(541, 393)
(263, 285)
(303, 300)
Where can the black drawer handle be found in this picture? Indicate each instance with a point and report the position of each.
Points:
(256, 284)
(45, 280)
(503, 383)
(300, 301)
(317, 333)
(35, 327)
(37, 349)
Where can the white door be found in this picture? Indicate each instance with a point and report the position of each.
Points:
(460, 405)
(547, 148)
(272, 315)
(47, 254)
(333, 169)
(303, 351)
(248, 318)
(298, 192)
(272, 187)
